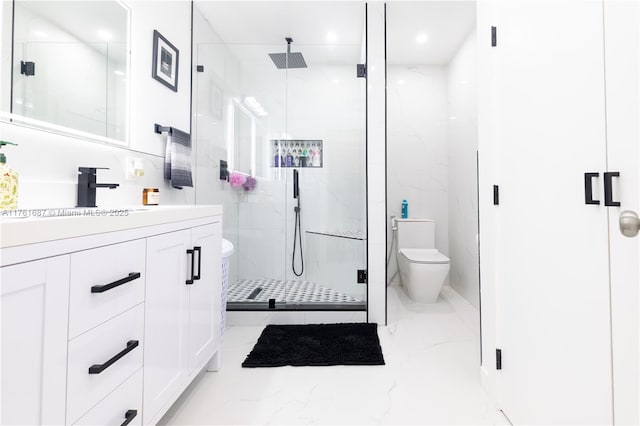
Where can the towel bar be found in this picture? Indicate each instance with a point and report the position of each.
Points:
(161, 129)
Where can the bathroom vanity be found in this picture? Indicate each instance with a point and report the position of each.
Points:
(107, 318)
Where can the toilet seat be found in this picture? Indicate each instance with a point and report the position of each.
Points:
(428, 256)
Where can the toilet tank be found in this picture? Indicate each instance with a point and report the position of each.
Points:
(416, 233)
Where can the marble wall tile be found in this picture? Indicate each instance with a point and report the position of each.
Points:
(417, 150)
(463, 146)
(48, 163)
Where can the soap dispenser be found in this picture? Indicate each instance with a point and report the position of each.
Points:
(8, 183)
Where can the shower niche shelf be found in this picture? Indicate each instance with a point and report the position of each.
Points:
(289, 153)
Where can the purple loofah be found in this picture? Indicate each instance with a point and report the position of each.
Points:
(237, 179)
(250, 184)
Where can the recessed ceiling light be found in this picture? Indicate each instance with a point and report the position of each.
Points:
(400, 81)
(104, 34)
(422, 38)
(41, 34)
(335, 81)
(332, 37)
(118, 72)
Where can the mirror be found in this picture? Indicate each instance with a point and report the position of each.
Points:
(69, 66)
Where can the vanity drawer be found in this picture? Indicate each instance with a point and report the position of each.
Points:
(122, 404)
(105, 282)
(113, 350)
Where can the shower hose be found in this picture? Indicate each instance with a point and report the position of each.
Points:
(297, 239)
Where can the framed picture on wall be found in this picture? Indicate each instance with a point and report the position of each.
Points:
(165, 61)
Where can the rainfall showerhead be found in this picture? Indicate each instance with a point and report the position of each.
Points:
(289, 59)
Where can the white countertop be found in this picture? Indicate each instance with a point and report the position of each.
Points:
(32, 226)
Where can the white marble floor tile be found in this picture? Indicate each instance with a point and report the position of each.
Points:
(431, 376)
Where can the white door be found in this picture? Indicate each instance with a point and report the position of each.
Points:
(553, 281)
(622, 53)
(204, 296)
(34, 301)
(166, 320)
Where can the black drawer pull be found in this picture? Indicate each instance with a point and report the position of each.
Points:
(588, 188)
(608, 190)
(99, 368)
(102, 288)
(129, 416)
(199, 250)
(190, 280)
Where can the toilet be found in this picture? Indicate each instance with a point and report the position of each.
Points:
(423, 268)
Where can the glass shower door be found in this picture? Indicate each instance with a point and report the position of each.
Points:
(238, 102)
(326, 215)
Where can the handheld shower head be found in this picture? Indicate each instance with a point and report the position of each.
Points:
(296, 188)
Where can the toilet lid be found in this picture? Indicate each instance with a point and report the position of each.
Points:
(424, 255)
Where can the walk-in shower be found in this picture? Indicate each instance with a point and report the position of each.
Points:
(296, 128)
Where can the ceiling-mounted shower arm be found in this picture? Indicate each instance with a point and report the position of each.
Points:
(289, 41)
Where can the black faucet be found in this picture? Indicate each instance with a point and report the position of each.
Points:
(87, 186)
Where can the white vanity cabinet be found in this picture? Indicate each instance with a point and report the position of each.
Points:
(182, 330)
(34, 303)
(94, 321)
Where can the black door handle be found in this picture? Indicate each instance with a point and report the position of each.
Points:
(102, 288)
(190, 281)
(129, 416)
(588, 188)
(608, 189)
(199, 251)
(99, 368)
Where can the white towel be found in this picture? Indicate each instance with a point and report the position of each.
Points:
(177, 160)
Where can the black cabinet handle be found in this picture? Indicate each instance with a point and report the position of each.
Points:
(129, 416)
(102, 288)
(99, 368)
(190, 252)
(588, 188)
(608, 189)
(199, 251)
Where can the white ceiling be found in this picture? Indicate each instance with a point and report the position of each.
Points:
(253, 29)
(269, 22)
(446, 24)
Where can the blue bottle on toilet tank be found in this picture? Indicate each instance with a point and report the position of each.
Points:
(405, 209)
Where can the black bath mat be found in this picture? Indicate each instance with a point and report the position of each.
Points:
(316, 344)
